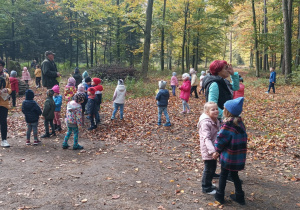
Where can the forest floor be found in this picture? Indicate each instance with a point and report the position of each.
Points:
(135, 164)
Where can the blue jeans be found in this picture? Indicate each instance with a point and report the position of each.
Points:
(32, 126)
(185, 105)
(173, 89)
(160, 110)
(116, 106)
(271, 85)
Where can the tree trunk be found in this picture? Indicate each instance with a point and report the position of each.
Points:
(251, 58)
(96, 57)
(170, 52)
(184, 36)
(297, 60)
(71, 39)
(118, 36)
(77, 41)
(255, 41)
(13, 43)
(86, 51)
(197, 52)
(92, 50)
(146, 54)
(230, 48)
(162, 50)
(287, 10)
(266, 36)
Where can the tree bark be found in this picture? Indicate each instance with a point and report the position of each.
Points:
(118, 36)
(266, 36)
(86, 51)
(297, 60)
(162, 50)
(184, 37)
(92, 50)
(255, 41)
(146, 54)
(13, 43)
(230, 48)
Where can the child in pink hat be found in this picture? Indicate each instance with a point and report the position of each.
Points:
(26, 75)
(70, 89)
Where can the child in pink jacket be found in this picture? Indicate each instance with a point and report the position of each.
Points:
(26, 75)
(174, 83)
(208, 129)
(185, 90)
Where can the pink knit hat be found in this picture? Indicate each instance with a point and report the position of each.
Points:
(24, 68)
(71, 81)
(55, 89)
(80, 88)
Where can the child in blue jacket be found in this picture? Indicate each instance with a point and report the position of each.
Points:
(272, 80)
(58, 101)
(162, 98)
(32, 112)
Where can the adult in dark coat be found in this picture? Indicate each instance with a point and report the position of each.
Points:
(49, 71)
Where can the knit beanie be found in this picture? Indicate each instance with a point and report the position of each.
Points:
(50, 92)
(85, 74)
(91, 90)
(71, 81)
(235, 106)
(29, 95)
(192, 71)
(13, 73)
(185, 76)
(79, 97)
(97, 81)
(25, 68)
(80, 88)
(120, 82)
(202, 72)
(87, 79)
(174, 74)
(162, 84)
(55, 89)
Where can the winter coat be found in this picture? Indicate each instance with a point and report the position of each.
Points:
(162, 97)
(185, 90)
(30, 108)
(194, 80)
(5, 103)
(99, 89)
(58, 101)
(49, 73)
(231, 144)
(119, 94)
(74, 114)
(273, 77)
(38, 72)
(208, 130)
(240, 92)
(70, 92)
(49, 107)
(14, 83)
(92, 107)
(26, 75)
(78, 78)
(174, 80)
(220, 90)
(201, 80)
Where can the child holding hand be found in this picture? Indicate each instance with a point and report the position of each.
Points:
(185, 90)
(208, 129)
(231, 144)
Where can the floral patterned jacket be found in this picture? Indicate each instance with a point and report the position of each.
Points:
(70, 92)
(74, 114)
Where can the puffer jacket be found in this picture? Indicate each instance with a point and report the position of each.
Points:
(162, 97)
(74, 115)
(174, 80)
(5, 103)
(58, 101)
(49, 107)
(38, 72)
(208, 130)
(194, 80)
(30, 108)
(185, 90)
(14, 83)
(119, 95)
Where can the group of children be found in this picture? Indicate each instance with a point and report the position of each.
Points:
(81, 100)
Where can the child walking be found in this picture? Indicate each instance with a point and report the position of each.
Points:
(162, 98)
(38, 76)
(240, 92)
(201, 82)
(58, 102)
(185, 90)
(32, 112)
(272, 80)
(208, 129)
(119, 99)
(231, 145)
(14, 83)
(48, 114)
(26, 75)
(194, 82)
(174, 83)
(74, 120)
(70, 89)
(92, 107)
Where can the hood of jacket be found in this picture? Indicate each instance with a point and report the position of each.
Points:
(121, 88)
(29, 95)
(72, 105)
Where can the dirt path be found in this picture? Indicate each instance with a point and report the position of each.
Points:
(138, 166)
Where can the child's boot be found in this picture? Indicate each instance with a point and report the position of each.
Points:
(168, 124)
(77, 147)
(239, 198)
(219, 197)
(59, 128)
(55, 127)
(46, 135)
(65, 145)
(53, 133)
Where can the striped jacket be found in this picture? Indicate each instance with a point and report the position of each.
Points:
(231, 144)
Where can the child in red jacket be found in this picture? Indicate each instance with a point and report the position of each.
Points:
(14, 83)
(99, 88)
(185, 90)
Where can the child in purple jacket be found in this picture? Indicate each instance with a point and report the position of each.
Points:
(208, 129)
(231, 144)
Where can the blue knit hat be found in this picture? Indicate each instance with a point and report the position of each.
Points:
(13, 73)
(235, 106)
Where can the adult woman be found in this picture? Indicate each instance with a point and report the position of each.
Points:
(217, 88)
(4, 103)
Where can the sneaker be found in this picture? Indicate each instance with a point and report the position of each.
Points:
(159, 123)
(28, 142)
(77, 147)
(35, 142)
(188, 111)
(46, 135)
(216, 176)
(183, 112)
(168, 124)
(92, 128)
(267, 92)
(213, 192)
(112, 118)
(4, 143)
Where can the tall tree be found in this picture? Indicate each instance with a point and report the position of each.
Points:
(186, 9)
(146, 54)
(265, 66)
(162, 50)
(255, 41)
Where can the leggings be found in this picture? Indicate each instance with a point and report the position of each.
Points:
(32, 126)
(56, 119)
(3, 122)
(185, 105)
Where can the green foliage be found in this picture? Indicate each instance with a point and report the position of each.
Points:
(140, 88)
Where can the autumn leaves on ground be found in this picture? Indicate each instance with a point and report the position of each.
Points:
(135, 164)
